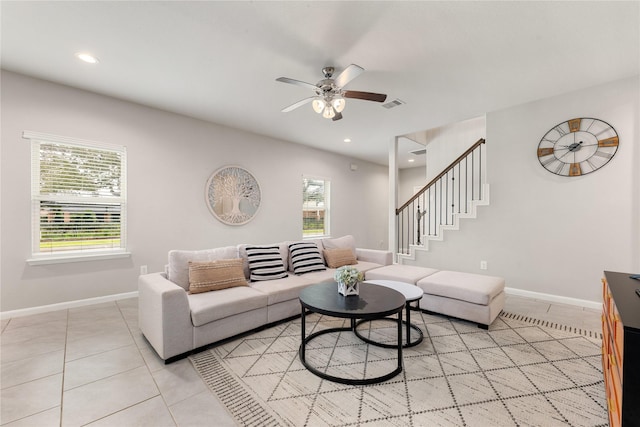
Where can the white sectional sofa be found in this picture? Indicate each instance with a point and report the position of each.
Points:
(175, 321)
(177, 318)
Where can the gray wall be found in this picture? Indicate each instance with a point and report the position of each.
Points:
(545, 233)
(170, 158)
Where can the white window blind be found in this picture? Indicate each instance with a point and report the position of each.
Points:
(315, 206)
(78, 196)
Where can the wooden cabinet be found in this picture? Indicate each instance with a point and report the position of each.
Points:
(621, 348)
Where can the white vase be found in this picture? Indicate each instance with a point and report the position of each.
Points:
(346, 289)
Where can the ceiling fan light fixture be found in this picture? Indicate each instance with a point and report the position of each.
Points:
(318, 105)
(329, 112)
(338, 104)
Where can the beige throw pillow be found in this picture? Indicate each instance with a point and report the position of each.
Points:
(215, 275)
(338, 257)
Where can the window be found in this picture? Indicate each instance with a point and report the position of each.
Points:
(315, 207)
(78, 198)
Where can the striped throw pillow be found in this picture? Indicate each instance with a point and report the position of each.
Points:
(265, 263)
(305, 258)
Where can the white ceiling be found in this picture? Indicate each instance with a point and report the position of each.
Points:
(218, 61)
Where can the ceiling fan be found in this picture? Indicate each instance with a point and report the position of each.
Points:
(329, 98)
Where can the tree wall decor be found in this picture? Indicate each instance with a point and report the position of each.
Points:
(233, 195)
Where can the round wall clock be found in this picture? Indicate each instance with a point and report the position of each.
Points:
(578, 146)
(233, 195)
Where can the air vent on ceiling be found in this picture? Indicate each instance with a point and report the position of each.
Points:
(393, 104)
(419, 152)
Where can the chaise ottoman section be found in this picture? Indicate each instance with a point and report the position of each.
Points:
(474, 297)
(400, 273)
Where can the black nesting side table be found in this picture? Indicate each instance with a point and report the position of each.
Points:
(374, 302)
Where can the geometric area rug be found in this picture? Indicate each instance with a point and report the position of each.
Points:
(520, 372)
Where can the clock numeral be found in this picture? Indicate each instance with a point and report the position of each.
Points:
(592, 166)
(608, 142)
(603, 154)
(545, 151)
(574, 125)
(575, 170)
(547, 162)
(560, 131)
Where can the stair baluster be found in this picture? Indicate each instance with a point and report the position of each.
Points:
(439, 200)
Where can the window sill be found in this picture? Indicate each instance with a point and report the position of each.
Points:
(66, 258)
(316, 236)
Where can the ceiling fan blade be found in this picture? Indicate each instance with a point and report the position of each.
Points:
(367, 96)
(296, 82)
(349, 73)
(338, 116)
(298, 104)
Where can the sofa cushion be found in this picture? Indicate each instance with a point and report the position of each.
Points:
(178, 268)
(207, 307)
(400, 272)
(347, 241)
(265, 263)
(281, 290)
(205, 276)
(474, 288)
(339, 257)
(305, 258)
(365, 266)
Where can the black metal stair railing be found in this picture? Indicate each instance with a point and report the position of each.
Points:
(445, 196)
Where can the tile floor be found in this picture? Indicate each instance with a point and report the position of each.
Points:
(92, 366)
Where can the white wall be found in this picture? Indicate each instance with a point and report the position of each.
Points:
(170, 158)
(408, 179)
(545, 233)
(456, 137)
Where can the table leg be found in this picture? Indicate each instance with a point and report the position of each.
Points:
(302, 331)
(408, 321)
(400, 340)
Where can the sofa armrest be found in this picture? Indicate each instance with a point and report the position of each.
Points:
(374, 255)
(164, 316)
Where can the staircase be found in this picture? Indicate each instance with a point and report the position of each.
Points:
(454, 194)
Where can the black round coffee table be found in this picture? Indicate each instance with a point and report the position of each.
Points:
(374, 302)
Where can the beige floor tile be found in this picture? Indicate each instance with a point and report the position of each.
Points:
(30, 398)
(150, 413)
(102, 365)
(34, 332)
(178, 381)
(48, 418)
(151, 358)
(200, 409)
(94, 344)
(38, 319)
(31, 368)
(3, 324)
(105, 397)
(32, 347)
(87, 328)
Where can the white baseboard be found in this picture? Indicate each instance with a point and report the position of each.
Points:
(596, 305)
(65, 305)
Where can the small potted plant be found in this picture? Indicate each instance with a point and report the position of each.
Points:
(348, 279)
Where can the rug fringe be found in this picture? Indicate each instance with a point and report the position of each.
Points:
(552, 325)
(242, 405)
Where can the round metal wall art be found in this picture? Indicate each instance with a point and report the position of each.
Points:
(233, 195)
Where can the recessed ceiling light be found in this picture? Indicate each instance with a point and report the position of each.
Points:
(411, 160)
(347, 140)
(87, 57)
